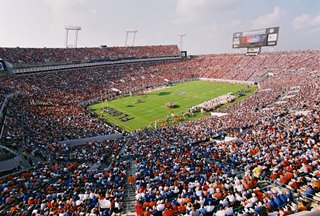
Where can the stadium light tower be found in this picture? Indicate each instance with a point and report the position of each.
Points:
(181, 41)
(134, 32)
(72, 28)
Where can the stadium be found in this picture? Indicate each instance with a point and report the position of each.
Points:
(153, 130)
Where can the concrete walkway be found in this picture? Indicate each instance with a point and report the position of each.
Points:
(76, 142)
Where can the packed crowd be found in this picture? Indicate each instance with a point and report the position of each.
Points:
(281, 148)
(43, 125)
(180, 169)
(64, 189)
(192, 177)
(54, 55)
(100, 153)
(241, 67)
(50, 107)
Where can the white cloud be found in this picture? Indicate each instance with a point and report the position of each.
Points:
(300, 21)
(194, 10)
(235, 23)
(216, 28)
(70, 12)
(189, 10)
(306, 21)
(63, 13)
(268, 20)
(211, 29)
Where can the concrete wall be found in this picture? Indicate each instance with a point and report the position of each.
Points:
(83, 141)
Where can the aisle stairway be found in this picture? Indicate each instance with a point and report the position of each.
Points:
(129, 195)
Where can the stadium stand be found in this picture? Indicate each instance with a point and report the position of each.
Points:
(272, 166)
(30, 56)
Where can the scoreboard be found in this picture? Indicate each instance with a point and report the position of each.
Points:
(256, 38)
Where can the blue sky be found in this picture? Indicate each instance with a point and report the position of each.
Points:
(208, 24)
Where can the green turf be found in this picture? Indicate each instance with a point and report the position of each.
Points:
(146, 108)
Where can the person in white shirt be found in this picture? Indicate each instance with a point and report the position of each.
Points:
(250, 202)
(220, 213)
(209, 208)
(176, 190)
(229, 211)
(198, 191)
(117, 205)
(160, 206)
(238, 186)
(104, 204)
(231, 198)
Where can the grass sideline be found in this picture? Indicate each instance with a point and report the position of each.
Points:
(145, 109)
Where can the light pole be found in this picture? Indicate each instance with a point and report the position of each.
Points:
(181, 41)
(134, 32)
(72, 28)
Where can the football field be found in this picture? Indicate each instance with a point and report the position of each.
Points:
(138, 111)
